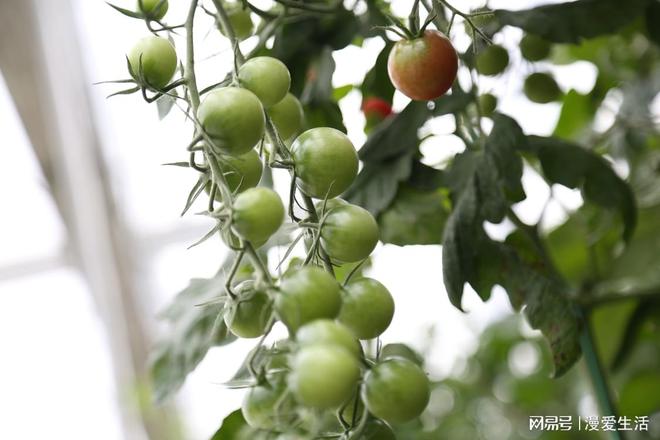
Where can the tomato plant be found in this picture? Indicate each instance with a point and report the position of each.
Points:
(152, 61)
(423, 68)
(278, 104)
(325, 162)
(396, 390)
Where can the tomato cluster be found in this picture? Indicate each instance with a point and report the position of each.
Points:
(322, 368)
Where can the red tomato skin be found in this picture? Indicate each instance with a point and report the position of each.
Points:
(374, 106)
(424, 68)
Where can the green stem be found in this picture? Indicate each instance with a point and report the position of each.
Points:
(190, 77)
(258, 264)
(314, 218)
(597, 372)
(228, 30)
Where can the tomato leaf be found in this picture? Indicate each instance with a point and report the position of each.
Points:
(570, 22)
(376, 185)
(577, 112)
(396, 135)
(377, 80)
(164, 105)
(426, 210)
(231, 427)
(572, 166)
(194, 330)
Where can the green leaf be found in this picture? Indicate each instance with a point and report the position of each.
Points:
(572, 166)
(193, 330)
(641, 394)
(414, 217)
(583, 248)
(569, 22)
(164, 105)
(377, 81)
(577, 112)
(340, 92)
(126, 12)
(376, 185)
(397, 135)
(232, 427)
(324, 114)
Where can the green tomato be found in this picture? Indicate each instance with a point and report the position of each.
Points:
(396, 390)
(240, 19)
(349, 233)
(307, 294)
(249, 317)
(266, 77)
(328, 332)
(257, 214)
(154, 9)
(153, 62)
(377, 430)
(269, 407)
(287, 115)
(367, 308)
(487, 104)
(234, 119)
(324, 376)
(534, 48)
(241, 172)
(326, 162)
(541, 88)
(401, 351)
(492, 60)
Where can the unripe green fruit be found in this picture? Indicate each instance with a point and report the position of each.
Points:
(349, 233)
(326, 331)
(396, 390)
(257, 214)
(309, 293)
(266, 407)
(326, 162)
(241, 172)
(367, 308)
(287, 115)
(487, 104)
(249, 318)
(234, 119)
(154, 9)
(153, 61)
(541, 88)
(492, 60)
(534, 48)
(324, 376)
(266, 77)
(240, 19)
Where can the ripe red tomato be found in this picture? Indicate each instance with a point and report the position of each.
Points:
(376, 107)
(423, 68)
